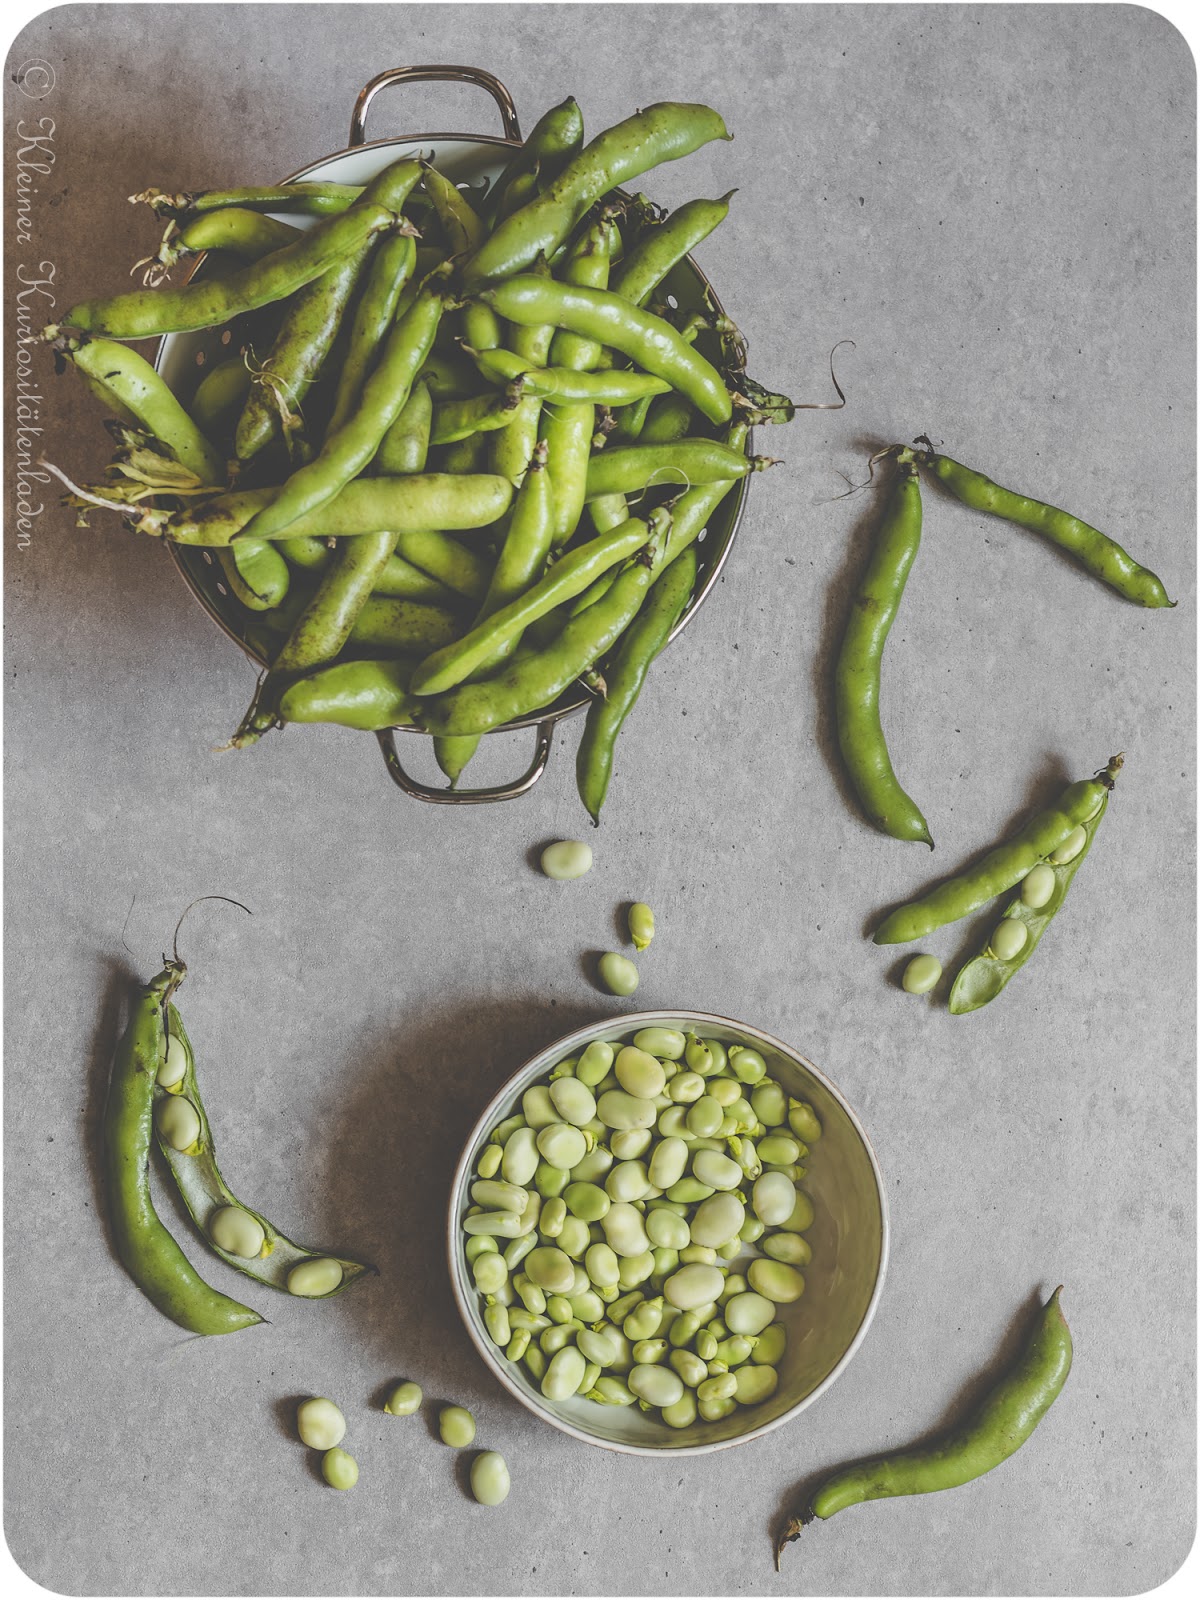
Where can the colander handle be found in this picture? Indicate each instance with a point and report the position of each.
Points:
(467, 797)
(439, 74)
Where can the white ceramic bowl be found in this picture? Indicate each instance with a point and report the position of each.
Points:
(844, 1280)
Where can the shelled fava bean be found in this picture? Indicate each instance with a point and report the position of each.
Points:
(640, 1229)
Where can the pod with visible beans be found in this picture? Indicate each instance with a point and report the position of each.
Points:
(241, 1236)
(1005, 866)
(982, 978)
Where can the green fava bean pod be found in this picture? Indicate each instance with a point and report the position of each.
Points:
(998, 1427)
(368, 695)
(1004, 867)
(633, 468)
(392, 266)
(342, 602)
(566, 579)
(538, 680)
(649, 341)
(220, 396)
(303, 199)
(857, 676)
(346, 452)
(662, 132)
(284, 376)
(242, 1237)
(568, 427)
(235, 229)
(665, 245)
(554, 140)
(606, 716)
(415, 502)
(207, 303)
(523, 554)
(148, 1252)
(983, 977)
(1103, 557)
(129, 381)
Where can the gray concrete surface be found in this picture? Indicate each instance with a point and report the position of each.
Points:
(995, 204)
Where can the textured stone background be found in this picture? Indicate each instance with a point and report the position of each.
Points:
(995, 203)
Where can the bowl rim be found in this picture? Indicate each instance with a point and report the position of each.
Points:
(579, 697)
(564, 1046)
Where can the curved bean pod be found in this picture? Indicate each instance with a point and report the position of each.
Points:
(305, 337)
(566, 578)
(665, 245)
(1002, 867)
(206, 303)
(555, 138)
(330, 617)
(459, 419)
(510, 449)
(982, 978)
(624, 679)
(526, 546)
(346, 452)
(150, 1255)
(220, 396)
(668, 418)
(597, 314)
(539, 679)
(662, 132)
(857, 675)
(461, 226)
(204, 1191)
(243, 232)
(1103, 557)
(392, 268)
(1000, 1426)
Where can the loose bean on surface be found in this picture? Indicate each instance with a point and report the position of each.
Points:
(490, 1481)
(566, 859)
(456, 1426)
(320, 1423)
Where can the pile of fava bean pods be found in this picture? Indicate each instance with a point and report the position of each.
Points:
(153, 1092)
(462, 454)
(635, 1228)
